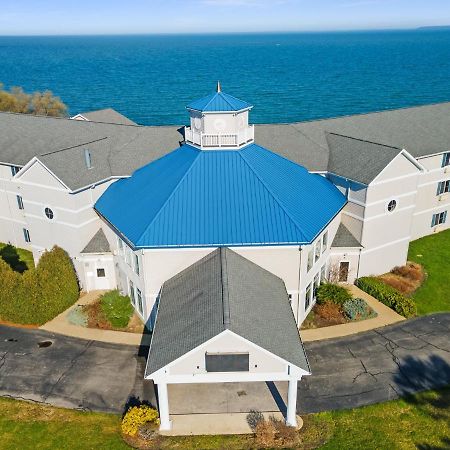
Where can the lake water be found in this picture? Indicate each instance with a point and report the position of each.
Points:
(288, 77)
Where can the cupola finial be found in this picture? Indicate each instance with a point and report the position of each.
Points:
(219, 89)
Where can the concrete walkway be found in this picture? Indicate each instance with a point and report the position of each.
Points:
(386, 316)
(216, 424)
(61, 325)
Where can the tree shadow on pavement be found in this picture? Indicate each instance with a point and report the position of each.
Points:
(421, 375)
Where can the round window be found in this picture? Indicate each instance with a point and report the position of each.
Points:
(49, 213)
(391, 205)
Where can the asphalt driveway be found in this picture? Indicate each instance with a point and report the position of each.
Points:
(366, 368)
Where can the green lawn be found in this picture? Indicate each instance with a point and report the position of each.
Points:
(421, 421)
(18, 258)
(116, 308)
(433, 252)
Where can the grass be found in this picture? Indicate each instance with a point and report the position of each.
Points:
(420, 421)
(433, 252)
(19, 259)
(116, 308)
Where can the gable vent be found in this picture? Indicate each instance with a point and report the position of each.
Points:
(87, 158)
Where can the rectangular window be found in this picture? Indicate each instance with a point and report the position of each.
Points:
(139, 301)
(308, 296)
(120, 245)
(227, 362)
(19, 201)
(132, 298)
(318, 251)
(439, 218)
(14, 170)
(323, 274)
(127, 255)
(136, 264)
(26, 235)
(101, 273)
(310, 259)
(446, 160)
(443, 187)
(316, 285)
(324, 241)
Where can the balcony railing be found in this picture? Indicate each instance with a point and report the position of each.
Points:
(219, 140)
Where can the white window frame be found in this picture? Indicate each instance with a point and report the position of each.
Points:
(308, 296)
(19, 201)
(443, 187)
(446, 159)
(310, 262)
(324, 241)
(316, 284)
(136, 264)
(389, 202)
(317, 250)
(439, 219)
(140, 304)
(131, 292)
(323, 273)
(26, 235)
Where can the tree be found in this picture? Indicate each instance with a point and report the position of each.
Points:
(39, 103)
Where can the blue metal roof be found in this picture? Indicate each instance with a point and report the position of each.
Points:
(194, 198)
(219, 101)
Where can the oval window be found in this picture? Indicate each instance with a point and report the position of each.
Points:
(49, 213)
(391, 205)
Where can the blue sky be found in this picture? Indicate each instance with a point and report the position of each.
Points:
(18, 17)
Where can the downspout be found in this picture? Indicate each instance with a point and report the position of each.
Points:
(298, 288)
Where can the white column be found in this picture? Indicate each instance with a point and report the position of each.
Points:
(291, 416)
(163, 401)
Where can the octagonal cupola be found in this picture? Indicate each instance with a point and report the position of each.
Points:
(219, 121)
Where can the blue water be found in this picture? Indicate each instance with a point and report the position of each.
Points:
(288, 77)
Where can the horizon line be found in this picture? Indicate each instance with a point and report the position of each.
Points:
(219, 33)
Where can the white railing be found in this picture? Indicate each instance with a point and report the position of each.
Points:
(219, 140)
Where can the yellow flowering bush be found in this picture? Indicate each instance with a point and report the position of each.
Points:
(137, 416)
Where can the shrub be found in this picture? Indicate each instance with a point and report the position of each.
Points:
(358, 309)
(329, 311)
(332, 293)
(411, 270)
(40, 294)
(387, 295)
(136, 417)
(265, 432)
(116, 308)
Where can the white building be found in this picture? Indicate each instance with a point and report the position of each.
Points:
(392, 169)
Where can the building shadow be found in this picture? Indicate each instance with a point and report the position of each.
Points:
(277, 397)
(9, 254)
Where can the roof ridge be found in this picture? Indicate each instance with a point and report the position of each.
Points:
(213, 96)
(74, 146)
(362, 140)
(225, 291)
(272, 193)
(172, 193)
(224, 97)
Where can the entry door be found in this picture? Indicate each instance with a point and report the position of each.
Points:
(343, 271)
(101, 280)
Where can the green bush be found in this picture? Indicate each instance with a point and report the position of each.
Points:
(117, 308)
(358, 309)
(332, 293)
(388, 296)
(38, 295)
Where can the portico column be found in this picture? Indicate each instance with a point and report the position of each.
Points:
(163, 401)
(291, 416)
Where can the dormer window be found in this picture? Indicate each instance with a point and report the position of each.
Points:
(14, 170)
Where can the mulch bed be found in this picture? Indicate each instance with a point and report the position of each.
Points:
(406, 279)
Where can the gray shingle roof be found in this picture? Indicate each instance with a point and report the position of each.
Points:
(357, 159)
(344, 238)
(107, 115)
(98, 244)
(224, 291)
(119, 150)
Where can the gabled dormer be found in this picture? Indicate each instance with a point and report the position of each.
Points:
(218, 121)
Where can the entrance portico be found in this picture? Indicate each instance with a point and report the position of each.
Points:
(225, 320)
